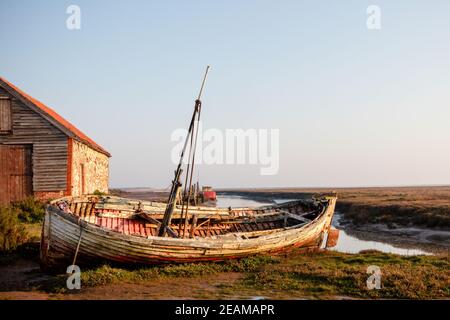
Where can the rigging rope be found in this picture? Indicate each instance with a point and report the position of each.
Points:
(183, 196)
(192, 167)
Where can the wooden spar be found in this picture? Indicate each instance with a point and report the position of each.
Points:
(192, 151)
(176, 184)
(193, 161)
(171, 202)
(148, 217)
(184, 195)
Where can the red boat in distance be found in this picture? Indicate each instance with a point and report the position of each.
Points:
(208, 194)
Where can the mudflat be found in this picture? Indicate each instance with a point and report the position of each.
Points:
(406, 206)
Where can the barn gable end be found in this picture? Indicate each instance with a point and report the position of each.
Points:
(63, 161)
(48, 145)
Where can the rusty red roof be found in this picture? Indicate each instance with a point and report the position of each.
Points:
(70, 128)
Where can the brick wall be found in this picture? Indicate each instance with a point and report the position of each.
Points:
(90, 170)
(50, 195)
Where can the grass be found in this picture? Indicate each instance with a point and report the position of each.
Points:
(336, 274)
(29, 210)
(12, 232)
(318, 275)
(106, 274)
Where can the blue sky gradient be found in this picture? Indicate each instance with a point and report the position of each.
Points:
(354, 107)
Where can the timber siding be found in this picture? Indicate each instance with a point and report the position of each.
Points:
(49, 146)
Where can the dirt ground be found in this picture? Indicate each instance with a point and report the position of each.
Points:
(18, 282)
(20, 277)
(21, 280)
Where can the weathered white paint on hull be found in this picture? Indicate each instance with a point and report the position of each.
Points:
(62, 232)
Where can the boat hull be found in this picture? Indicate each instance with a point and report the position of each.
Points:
(68, 239)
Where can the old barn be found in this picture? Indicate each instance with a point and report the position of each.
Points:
(42, 154)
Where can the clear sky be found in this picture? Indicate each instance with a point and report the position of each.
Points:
(355, 107)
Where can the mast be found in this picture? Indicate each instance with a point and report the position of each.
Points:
(176, 184)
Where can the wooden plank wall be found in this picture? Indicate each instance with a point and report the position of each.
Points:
(5, 115)
(49, 146)
(15, 172)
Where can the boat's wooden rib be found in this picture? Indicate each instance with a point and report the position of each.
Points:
(126, 231)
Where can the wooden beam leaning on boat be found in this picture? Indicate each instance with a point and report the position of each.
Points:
(147, 216)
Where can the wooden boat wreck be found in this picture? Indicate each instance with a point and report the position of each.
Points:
(111, 229)
(99, 229)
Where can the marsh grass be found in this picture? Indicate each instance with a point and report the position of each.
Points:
(29, 210)
(20, 223)
(331, 273)
(405, 206)
(12, 232)
(107, 274)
